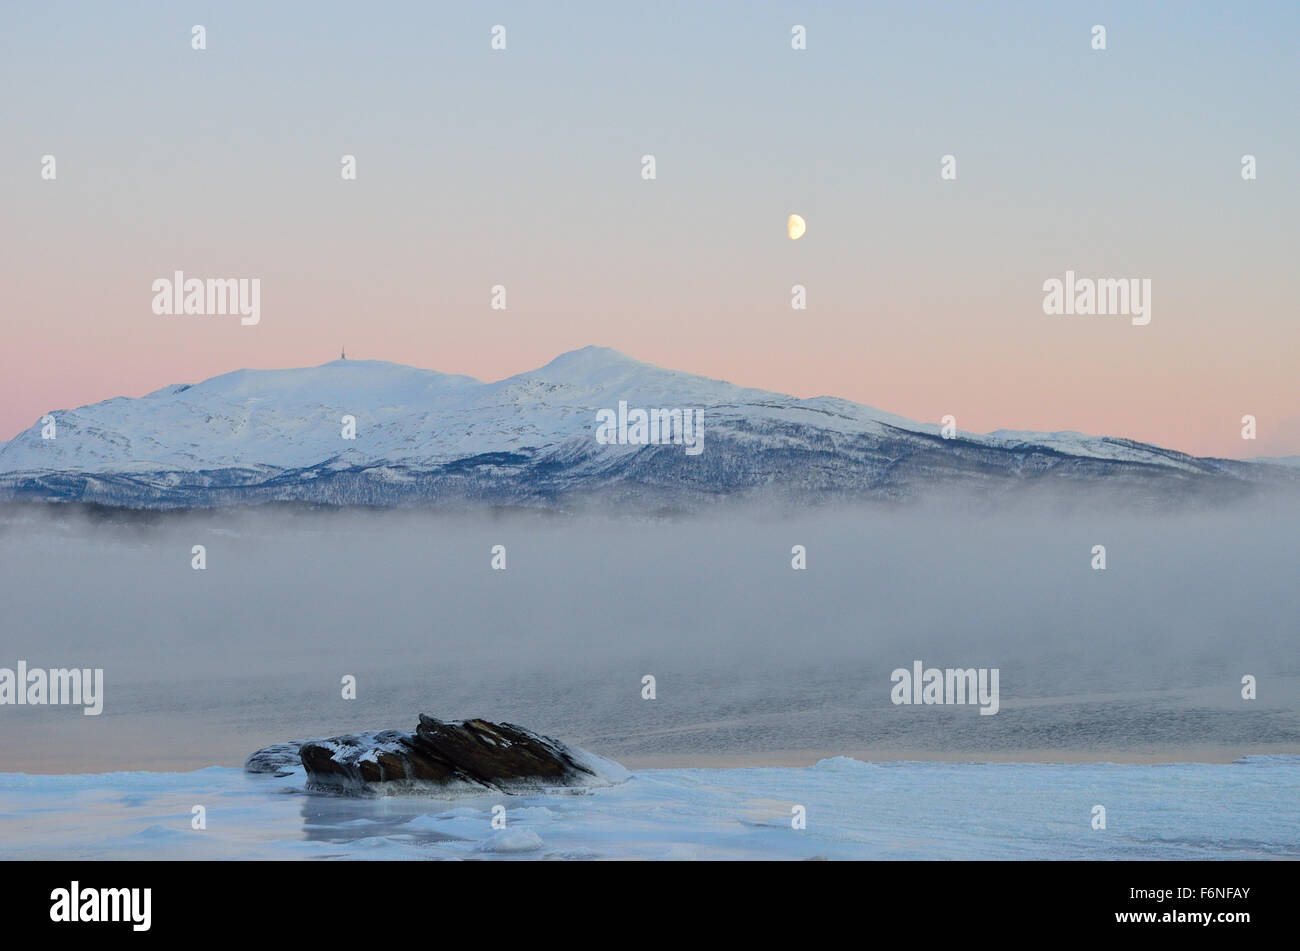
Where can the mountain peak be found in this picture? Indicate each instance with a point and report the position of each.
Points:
(591, 357)
(592, 367)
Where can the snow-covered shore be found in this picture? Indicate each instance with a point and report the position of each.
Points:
(854, 810)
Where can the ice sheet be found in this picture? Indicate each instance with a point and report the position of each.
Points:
(855, 810)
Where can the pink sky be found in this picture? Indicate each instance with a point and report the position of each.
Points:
(990, 366)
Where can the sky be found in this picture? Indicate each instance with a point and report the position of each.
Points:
(523, 167)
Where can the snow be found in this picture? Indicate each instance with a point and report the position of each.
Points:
(855, 810)
(1095, 447)
(1293, 461)
(511, 840)
(271, 420)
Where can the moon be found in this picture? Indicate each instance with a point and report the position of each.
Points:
(796, 227)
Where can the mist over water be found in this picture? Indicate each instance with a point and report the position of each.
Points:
(753, 660)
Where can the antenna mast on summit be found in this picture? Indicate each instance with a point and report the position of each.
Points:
(343, 355)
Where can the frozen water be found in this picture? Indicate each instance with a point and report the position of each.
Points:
(855, 810)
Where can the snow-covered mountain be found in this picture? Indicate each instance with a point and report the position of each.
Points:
(428, 437)
(1293, 461)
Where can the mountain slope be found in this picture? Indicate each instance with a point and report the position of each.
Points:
(424, 436)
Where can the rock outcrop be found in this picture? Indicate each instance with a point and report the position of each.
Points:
(462, 756)
(280, 759)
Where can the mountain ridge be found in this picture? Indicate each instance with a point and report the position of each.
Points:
(429, 436)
